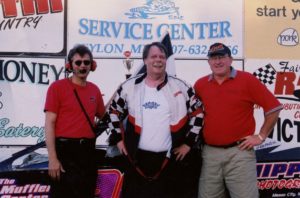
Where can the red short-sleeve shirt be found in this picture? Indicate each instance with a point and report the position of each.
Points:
(229, 106)
(71, 121)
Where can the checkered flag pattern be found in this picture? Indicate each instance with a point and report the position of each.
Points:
(266, 74)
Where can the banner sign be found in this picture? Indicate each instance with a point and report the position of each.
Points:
(35, 36)
(193, 27)
(23, 86)
(272, 29)
(35, 27)
(278, 167)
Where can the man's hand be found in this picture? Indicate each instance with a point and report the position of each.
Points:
(181, 151)
(122, 148)
(54, 168)
(249, 142)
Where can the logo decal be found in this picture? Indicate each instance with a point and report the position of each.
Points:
(288, 37)
(151, 105)
(155, 7)
(266, 74)
(93, 99)
(177, 93)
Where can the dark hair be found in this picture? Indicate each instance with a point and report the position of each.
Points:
(157, 44)
(81, 50)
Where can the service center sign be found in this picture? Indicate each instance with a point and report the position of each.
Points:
(110, 27)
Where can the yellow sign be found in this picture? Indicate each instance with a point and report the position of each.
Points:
(272, 29)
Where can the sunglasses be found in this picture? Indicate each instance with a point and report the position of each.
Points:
(85, 62)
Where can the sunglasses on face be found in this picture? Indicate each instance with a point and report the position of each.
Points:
(85, 62)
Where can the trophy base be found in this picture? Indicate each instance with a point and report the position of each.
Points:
(128, 76)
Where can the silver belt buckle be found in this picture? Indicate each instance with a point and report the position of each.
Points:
(82, 141)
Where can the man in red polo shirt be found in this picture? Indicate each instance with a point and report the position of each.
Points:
(70, 137)
(229, 96)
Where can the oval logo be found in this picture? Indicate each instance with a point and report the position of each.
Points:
(288, 37)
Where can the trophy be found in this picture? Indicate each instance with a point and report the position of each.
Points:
(128, 63)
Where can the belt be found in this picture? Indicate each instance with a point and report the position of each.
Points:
(227, 145)
(78, 141)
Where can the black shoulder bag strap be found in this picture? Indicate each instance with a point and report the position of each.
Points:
(82, 107)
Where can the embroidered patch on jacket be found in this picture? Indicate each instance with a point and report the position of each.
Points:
(177, 93)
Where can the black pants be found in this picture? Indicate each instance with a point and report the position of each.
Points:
(178, 179)
(78, 160)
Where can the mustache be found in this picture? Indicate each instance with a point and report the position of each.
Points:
(82, 71)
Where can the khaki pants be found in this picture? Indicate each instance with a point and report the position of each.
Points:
(228, 168)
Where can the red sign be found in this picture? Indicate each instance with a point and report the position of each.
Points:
(30, 7)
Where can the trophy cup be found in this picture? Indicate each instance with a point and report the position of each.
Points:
(128, 63)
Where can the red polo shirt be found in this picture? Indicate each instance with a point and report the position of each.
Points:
(71, 121)
(229, 106)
